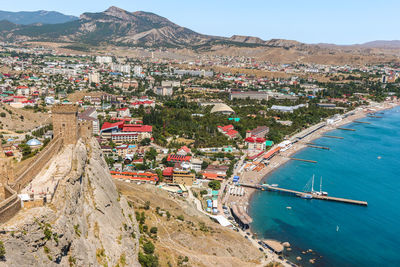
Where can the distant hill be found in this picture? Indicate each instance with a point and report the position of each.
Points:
(119, 27)
(394, 44)
(32, 17)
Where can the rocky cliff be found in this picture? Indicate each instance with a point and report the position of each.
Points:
(87, 223)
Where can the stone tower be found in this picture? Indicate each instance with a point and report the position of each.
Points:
(65, 122)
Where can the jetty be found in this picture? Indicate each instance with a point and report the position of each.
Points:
(266, 187)
(305, 160)
(373, 116)
(321, 147)
(331, 136)
(346, 129)
(362, 122)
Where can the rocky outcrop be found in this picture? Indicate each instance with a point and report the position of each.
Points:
(87, 223)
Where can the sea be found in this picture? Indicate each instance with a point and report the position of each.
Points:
(365, 165)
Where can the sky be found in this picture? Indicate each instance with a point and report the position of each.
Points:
(309, 21)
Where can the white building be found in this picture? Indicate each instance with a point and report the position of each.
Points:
(103, 59)
(164, 91)
(170, 83)
(94, 77)
(137, 70)
(121, 68)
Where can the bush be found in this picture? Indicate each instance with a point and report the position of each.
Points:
(203, 192)
(148, 260)
(180, 217)
(2, 114)
(153, 230)
(2, 250)
(148, 248)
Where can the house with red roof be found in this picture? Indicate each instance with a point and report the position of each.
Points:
(124, 112)
(178, 158)
(121, 133)
(255, 143)
(183, 151)
(229, 131)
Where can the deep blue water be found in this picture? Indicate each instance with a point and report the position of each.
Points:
(367, 236)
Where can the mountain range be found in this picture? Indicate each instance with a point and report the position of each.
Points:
(116, 26)
(32, 17)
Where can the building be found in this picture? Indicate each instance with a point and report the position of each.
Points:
(215, 172)
(121, 133)
(137, 70)
(200, 73)
(195, 164)
(229, 131)
(163, 91)
(167, 174)
(94, 77)
(222, 108)
(103, 59)
(121, 68)
(124, 112)
(249, 94)
(178, 158)
(170, 83)
(90, 114)
(259, 132)
(182, 174)
(183, 151)
(255, 143)
(287, 108)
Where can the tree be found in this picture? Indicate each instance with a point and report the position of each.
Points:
(204, 165)
(148, 248)
(151, 154)
(153, 230)
(214, 185)
(145, 142)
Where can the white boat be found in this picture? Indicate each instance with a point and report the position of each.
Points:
(314, 192)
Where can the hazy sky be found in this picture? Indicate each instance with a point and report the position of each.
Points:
(310, 21)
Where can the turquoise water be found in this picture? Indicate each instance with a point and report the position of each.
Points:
(367, 236)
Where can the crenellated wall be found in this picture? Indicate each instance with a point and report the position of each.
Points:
(67, 130)
(38, 164)
(10, 206)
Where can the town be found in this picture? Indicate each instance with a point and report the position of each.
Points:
(197, 128)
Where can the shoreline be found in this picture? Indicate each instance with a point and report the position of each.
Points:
(282, 158)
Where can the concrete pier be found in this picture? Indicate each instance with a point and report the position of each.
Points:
(362, 122)
(331, 136)
(305, 160)
(346, 129)
(266, 187)
(321, 147)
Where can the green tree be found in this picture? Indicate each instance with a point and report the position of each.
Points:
(148, 248)
(214, 185)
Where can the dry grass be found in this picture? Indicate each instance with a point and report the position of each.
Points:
(203, 241)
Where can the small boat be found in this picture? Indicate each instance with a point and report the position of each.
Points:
(337, 228)
(379, 157)
(289, 208)
(274, 185)
(306, 196)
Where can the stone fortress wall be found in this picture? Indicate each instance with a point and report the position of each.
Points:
(67, 130)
